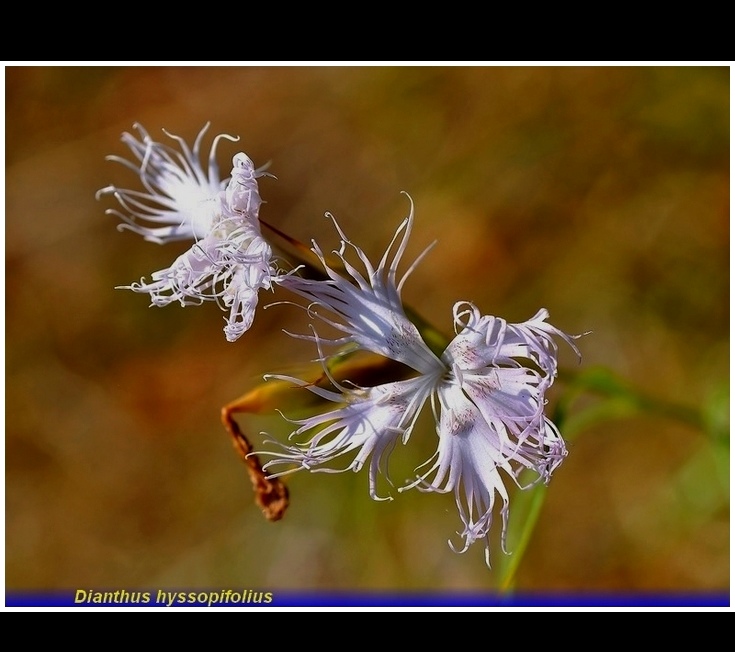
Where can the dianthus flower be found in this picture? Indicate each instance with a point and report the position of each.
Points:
(229, 261)
(486, 391)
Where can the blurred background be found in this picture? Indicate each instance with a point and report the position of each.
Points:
(599, 193)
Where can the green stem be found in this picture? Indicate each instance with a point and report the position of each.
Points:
(514, 560)
(602, 382)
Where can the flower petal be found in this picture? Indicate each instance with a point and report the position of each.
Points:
(366, 305)
(369, 423)
(178, 192)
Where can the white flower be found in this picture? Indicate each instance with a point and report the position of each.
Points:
(229, 269)
(179, 194)
(367, 307)
(486, 390)
(229, 261)
(489, 407)
(370, 422)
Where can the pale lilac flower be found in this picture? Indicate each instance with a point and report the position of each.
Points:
(179, 194)
(229, 261)
(370, 421)
(489, 408)
(229, 268)
(486, 391)
(367, 307)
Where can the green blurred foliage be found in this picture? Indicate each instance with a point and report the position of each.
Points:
(600, 193)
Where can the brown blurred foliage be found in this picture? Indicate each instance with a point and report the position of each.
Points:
(600, 193)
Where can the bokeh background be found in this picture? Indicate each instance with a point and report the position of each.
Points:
(600, 193)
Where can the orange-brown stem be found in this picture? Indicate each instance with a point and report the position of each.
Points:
(271, 495)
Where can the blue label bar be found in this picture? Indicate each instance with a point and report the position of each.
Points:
(285, 598)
